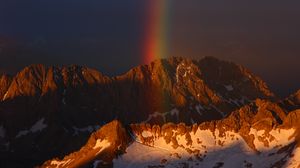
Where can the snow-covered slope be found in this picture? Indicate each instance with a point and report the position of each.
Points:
(206, 148)
(105, 143)
(197, 148)
(258, 135)
(48, 112)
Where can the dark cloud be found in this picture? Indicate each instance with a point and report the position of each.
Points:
(107, 35)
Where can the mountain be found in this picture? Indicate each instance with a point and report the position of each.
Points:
(66, 104)
(260, 134)
(174, 84)
(292, 102)
(111, 139)
(5, 81)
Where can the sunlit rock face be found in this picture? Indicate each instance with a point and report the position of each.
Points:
(5, 81)
(257, 135)
(68, 103)
(292, 102)
(200, 90)
(106, 143)
(206, 148)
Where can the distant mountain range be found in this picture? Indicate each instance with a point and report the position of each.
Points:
(50, 112)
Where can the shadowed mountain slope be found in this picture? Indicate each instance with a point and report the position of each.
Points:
(41, 103)
(260, 134)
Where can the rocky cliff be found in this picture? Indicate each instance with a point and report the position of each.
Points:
(260, 134)
(70, 102)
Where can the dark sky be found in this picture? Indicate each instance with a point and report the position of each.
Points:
(107, 34)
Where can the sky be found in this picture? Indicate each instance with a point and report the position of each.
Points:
(109, 34)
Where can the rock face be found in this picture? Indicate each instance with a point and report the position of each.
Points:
(5, 82)
(70, 102)
(104, 145)
(292, 102)
(257, 135)
(209, 87)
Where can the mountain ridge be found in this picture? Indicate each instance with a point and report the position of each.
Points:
(73, 101)
(163, 65)
(242, 126)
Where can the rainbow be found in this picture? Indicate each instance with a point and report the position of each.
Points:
(155, 45)
(156, 38)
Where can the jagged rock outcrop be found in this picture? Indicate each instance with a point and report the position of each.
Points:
(293, 119)
(73, 101)
(296, 97)
(27, 83)
(209, 85)
(103, 146)
(292, 102)
(44, 102)
(257, 135)
(259, 115)
(5, 81)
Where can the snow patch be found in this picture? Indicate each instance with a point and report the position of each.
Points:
(208, 148)
(238, 102)
(173, 112)
(229, 88)
(198, 109)
(139, 155)
(60, 163)
(64, 99)
(5, 95)
(192, 121)
(264, 141)
(95, 164)
(89, 129)
(22, 133)
(183, 70)
(146, 134)
(102, 144)
(38, 126)
(295, 160)
(157, 114)
(204, 142)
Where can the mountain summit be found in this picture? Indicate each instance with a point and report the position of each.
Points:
(71, 102)
(257, 135)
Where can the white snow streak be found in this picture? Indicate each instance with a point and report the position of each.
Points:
(38, 126)
(102, 144)
(230, 149)
(229, 87)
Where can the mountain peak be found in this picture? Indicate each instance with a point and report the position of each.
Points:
(72, 101)
(210, 58)
(296, 97)
(105, 144)
(249, 140)
(27, 82)
(292, 102)
(37, 79)
(5, 81)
